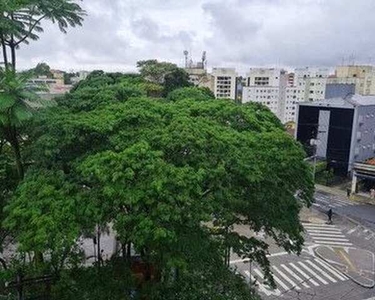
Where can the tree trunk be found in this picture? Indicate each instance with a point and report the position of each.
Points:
(4, 49)
(13, 48)
(128, 252)
(38, 257)
(11, 134)
(3, 263)
(123, 249)
(98, 248)
(13, 54)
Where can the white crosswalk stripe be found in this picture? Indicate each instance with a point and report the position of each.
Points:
(333, 243)
(315, 234)
(321, 271)
(333, 239)
(330, 269)
(333, 201)
(282, 274)
(297, 275)
(328, 235)
(299, 279)
(325, 228)
(262, 287)
(314, 274)
(307, 277)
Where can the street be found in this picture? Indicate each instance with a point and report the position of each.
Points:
(336, 261)
(363, 213)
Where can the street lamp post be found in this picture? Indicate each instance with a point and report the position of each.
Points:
(314, 143)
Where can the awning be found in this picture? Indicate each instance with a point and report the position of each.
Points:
(366, 176)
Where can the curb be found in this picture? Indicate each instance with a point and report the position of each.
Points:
(358, 223)
(325, 189)
(337, 270)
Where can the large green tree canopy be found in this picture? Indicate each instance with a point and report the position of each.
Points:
(161, 172)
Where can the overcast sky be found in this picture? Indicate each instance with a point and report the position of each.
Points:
(235, 33)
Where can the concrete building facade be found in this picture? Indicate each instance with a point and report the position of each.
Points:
(224, 83)
(345, 128)
(268, 87)
(281, 91)
(362, 76)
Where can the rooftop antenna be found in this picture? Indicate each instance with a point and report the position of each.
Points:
(351, 59)
(204, 59)
(186, 54)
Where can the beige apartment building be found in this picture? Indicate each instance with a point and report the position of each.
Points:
(224, 82)
(200, 78)
(362, 76)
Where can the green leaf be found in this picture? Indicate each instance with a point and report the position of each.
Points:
(6, 101)
(21, 113)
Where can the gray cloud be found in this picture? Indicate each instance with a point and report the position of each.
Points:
(241, 33)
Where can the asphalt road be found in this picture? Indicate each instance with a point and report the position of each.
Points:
(363, 213)
(307, 277)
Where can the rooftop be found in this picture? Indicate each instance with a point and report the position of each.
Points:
(350, 101)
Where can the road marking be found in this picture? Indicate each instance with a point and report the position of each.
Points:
(264, 287)
(312, 272)
(268, 255)
(323, 231)
(321, 271)
(322, 228)
(333, 239)
(332, 243)
(345, 256)
(343, 202)
(299, 279)
(354, 229)
(304, 274)
(318, 225)
(313, 234)
(282, 284)
(327, 231)
(329, 268)
(261, 286)
(294, 286)
(322, 200)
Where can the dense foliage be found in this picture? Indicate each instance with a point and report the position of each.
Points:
(170, 176)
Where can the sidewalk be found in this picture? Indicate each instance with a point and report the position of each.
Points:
(342, 193)
(330, 190)
(357, 264)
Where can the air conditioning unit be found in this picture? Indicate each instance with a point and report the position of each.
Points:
(359, 135)
(356, 151)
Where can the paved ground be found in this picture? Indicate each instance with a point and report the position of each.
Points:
(307, 277)
(363, 213)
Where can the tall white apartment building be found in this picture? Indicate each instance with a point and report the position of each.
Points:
(266, 86)
(224, 82)
(281, 91)
(313, 81)
(305, 84)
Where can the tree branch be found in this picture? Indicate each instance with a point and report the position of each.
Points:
(30, 30)
(3, 263)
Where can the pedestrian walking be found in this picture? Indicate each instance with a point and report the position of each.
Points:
(348, 192)
(329, 214)
(372, 193)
